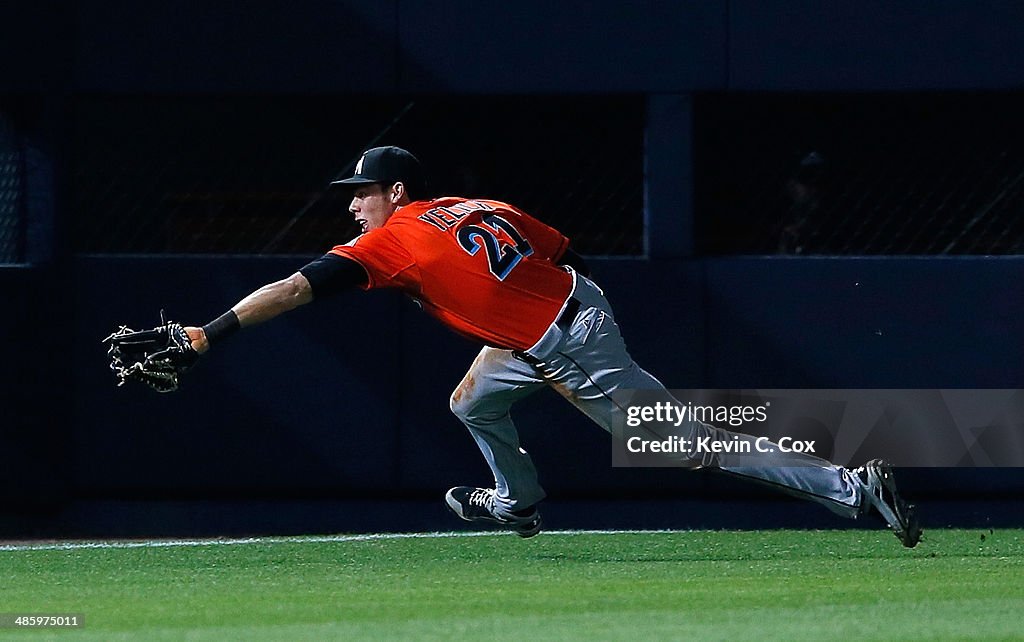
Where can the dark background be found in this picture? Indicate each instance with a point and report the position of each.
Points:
(157, 173)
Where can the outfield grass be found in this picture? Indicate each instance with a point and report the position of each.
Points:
(852, 585)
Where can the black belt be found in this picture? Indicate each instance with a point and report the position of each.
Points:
(564, 320)
(568, 315)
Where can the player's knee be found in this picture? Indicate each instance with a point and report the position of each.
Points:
(460, 403)
(468, 400)
(474, 410)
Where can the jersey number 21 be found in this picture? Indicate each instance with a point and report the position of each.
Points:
(501, 257)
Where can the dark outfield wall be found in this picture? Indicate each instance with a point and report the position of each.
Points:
(347, 399)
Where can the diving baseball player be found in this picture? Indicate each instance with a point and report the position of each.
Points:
(495, 274)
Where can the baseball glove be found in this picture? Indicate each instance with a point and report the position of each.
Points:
(154, 357)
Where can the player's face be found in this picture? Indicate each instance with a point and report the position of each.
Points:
(371, 206)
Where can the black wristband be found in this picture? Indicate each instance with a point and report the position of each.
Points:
(222, 327)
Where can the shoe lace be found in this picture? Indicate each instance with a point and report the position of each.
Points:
(482, 497)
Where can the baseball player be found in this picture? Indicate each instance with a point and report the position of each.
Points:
(495, 274)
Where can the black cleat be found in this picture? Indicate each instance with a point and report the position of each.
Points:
(880, 493)
(477, 505)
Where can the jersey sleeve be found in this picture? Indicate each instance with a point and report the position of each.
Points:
(547, 242)
(381, 254)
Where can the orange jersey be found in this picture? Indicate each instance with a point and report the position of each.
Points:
(484, 268)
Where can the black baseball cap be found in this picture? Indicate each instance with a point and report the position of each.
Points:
(387, 165)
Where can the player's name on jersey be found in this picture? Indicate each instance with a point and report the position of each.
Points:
(445, 218)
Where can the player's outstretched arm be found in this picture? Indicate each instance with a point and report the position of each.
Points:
(262, 305)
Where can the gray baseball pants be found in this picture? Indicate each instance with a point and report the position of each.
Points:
(588, 364)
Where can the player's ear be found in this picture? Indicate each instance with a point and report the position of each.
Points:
(397, 192)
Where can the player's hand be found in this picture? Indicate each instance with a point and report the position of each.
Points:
(198, 338)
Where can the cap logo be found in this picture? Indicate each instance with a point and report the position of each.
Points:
(359, 165)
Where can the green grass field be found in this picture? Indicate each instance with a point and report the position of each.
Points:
(852, 585)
